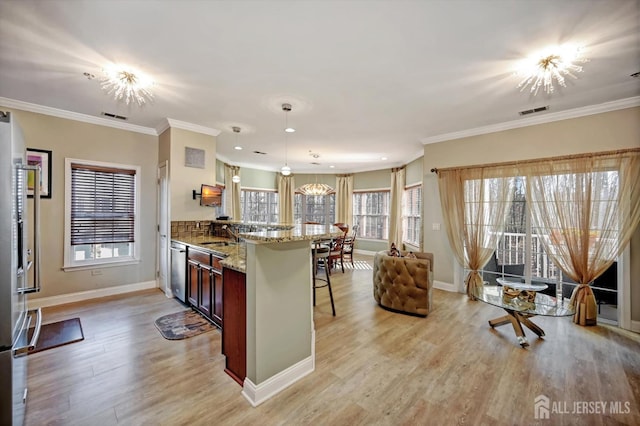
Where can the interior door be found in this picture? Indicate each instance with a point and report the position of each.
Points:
(164, 275)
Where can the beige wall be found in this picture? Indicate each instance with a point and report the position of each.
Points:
(258, 179)
(600, 132)
(183, 180)
(413, 174)
(74, 139)
(377, 179)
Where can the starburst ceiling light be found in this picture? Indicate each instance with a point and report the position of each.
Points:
(552, 63)
(127, 84)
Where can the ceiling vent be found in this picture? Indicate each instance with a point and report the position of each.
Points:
(260, 152)
(534, 110)
(315, 163)
(636, 74)
(118, 117)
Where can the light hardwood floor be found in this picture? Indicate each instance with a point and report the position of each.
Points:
(372, 367)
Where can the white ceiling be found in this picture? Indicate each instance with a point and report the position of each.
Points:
(367, 79)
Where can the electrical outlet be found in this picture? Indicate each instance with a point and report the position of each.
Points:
(95, 272)
(435, 226)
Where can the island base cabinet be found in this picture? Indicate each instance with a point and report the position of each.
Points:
(234, 334)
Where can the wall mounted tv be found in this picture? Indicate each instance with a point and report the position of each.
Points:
(210, 195)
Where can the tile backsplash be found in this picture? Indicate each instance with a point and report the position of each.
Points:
(190, 228)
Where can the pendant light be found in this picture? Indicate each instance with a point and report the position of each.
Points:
(236, 177)
(286, 170)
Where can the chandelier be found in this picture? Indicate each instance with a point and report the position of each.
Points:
(128, 84)
(553, 63)
(315, 189)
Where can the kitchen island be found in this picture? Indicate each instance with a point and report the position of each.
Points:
(268, 331)
(280, 335)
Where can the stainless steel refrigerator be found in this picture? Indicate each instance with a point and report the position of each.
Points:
(19, 269)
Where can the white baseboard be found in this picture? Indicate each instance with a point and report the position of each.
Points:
(441, 285)
(365, 252)
(635, 326)
(257, 394)
(80, 296)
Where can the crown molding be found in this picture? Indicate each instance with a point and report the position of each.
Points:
(170, 122)
(532, 121)
(69, 115)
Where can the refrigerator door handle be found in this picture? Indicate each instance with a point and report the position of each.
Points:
(23, 350)
(36, 231)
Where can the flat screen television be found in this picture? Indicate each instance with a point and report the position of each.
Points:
(210, 195)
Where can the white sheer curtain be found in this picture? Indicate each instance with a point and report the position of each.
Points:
(475, 203)
(395, 209)
(286, 191)
(231, 192)
(344, 199)
(588, 209)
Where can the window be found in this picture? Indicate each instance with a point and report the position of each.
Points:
(520, 254)
(411, 206)
(314, 208)
(371, 214)
(101, 213)
(259, 206)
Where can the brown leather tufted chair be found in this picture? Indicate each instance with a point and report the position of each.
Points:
(402, 284)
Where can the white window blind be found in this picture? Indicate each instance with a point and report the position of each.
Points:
(102, 205)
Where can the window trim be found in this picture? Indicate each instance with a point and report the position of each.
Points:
(388, 214)
(326, 206)
(243, 201)
(71, 265)
(420, 208)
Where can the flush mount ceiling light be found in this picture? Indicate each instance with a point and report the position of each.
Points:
(552, 63)
(127, 84)
(286, 170)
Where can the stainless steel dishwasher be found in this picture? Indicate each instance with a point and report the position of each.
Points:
(179, 271)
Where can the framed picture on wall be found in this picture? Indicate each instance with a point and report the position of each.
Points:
(43, 159)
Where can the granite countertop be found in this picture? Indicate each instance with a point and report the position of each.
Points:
(297, 233)
(234, 253)
(256, 225)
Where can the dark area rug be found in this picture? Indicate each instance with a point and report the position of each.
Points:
(58, 334)
(182, 325)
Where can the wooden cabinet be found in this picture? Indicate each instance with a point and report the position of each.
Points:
(234, 334)
(204, 289)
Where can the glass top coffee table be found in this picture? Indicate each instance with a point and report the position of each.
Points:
(520, 305)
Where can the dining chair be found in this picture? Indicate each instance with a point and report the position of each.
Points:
(336, 253)
(347, 249)
(343, 227)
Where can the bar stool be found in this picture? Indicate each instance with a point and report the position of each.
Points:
(321, 254)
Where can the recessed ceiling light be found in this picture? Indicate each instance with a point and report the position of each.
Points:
(383, 158)
(239, 148)
(332, 167)
(289, 130)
